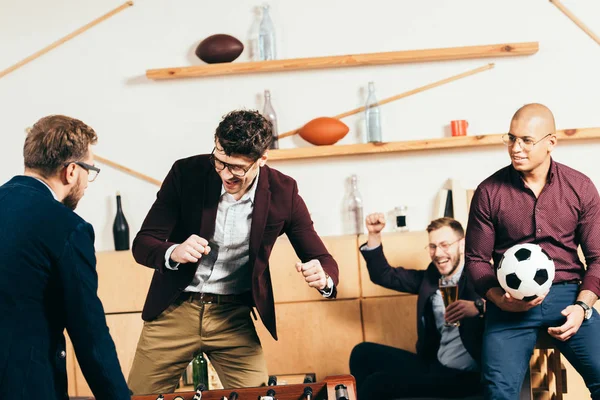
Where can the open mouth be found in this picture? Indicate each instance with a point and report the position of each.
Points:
(442, 261)
(230, 184)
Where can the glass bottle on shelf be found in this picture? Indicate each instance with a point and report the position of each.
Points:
(400, 219)
(253, 33)
(372, 117)
(120, 228)
(266, 36)
(354, 208)
(269, 113)
(200, 370)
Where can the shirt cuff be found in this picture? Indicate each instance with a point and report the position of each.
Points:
(171, 265)
(364, 247)
(591, 283)
(327, 293)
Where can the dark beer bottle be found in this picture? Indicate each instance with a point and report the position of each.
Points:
(120, 228)
(200, 370)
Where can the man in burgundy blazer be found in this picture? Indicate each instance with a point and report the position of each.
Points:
(189, 222)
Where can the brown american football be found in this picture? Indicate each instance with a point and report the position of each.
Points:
(219, 48)
(323, 131)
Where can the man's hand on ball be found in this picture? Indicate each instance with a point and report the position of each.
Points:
(506, 302)
(191, 250)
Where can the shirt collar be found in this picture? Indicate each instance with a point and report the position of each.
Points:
(456, 277)
(249, 195)
(517, 178)
(49, 188)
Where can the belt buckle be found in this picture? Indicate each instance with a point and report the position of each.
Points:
(202, 296)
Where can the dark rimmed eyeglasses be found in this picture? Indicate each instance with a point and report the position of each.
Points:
(525, 143)
(91, 170)
(236, 170)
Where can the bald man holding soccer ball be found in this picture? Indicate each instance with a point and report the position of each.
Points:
(535, 200)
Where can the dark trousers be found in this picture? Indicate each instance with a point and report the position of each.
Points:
(384, 372)
(509, 340)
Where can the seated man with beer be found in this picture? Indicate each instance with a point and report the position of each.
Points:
(449, 329)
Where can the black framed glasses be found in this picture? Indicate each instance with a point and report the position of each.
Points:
(525, 143)
(445, 246)
(92, 171)
(236, 170)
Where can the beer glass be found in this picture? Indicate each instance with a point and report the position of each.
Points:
(449, 292)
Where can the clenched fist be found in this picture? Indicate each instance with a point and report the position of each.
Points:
(375, 223)
(191, 250)
(313, 273)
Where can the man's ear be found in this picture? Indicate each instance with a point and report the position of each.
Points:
(263, 160)
(69, 174)
(552, 140)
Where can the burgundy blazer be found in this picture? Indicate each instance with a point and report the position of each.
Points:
(187, 204)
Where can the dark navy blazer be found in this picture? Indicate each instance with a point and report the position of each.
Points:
(48, 282)
(424, 283)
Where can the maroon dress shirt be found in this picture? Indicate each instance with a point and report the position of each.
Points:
(505, 212)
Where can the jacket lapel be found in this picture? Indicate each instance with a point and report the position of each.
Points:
(262, 201)
(210, 204)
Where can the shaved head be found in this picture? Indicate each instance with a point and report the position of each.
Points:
(537, 117)
(531, 139)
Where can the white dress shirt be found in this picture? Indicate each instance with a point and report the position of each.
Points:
(226, 269)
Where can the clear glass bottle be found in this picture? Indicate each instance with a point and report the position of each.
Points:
(266, 36)
(372, 116)
(200, 370)
(269, 113)
(253, 46)
(400, 218)
(354, 208)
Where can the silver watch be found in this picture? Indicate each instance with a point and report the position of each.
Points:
(587, 310)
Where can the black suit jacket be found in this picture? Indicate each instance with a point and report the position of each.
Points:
(48, 283)
(424, 284)
(187, 204)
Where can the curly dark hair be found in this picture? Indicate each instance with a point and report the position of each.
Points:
(54, 141)
(245, 133)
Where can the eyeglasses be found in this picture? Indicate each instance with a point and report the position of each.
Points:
(525, 143)
(91, 170)
(236, 170)
(445, 246)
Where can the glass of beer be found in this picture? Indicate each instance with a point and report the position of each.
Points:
(449, 292)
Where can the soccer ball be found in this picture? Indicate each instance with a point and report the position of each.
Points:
(525, 271)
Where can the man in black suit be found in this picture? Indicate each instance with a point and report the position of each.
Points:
(48, 269)
(449, 338)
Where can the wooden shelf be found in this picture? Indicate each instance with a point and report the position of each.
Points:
(416, 145)
(352, 60)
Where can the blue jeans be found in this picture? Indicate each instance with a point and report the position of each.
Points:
(509, 340)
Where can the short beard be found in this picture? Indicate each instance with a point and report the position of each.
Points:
(72, 198)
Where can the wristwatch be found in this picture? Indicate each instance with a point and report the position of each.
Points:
(480, 305)
(587, 310)
(326, 289)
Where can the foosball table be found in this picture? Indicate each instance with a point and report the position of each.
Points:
(338, 387)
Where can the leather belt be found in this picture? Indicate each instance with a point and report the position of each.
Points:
(211, 298)
(571, 281)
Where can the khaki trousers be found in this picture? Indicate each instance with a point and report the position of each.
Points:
(224, 332)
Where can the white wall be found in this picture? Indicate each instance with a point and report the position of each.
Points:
(146, 125)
